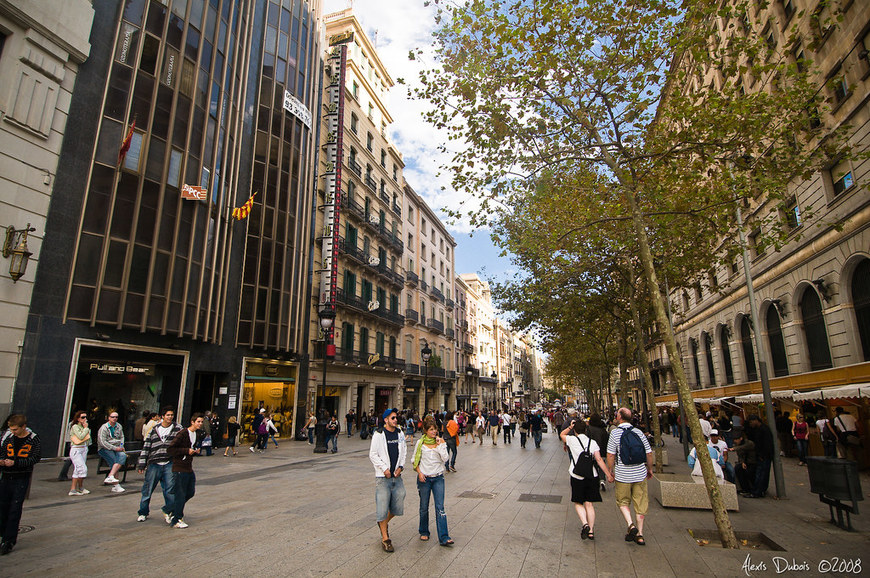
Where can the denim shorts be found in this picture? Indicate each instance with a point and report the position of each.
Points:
(113, 458)
(389, 497)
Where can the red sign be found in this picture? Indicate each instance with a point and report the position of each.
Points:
(192, 193)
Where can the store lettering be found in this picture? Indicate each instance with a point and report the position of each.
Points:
(109, 368)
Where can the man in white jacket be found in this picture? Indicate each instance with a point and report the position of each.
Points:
(387, 454)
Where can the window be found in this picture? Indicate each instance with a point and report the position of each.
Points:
(754, 242)
(355, 90)
(708, 353)
(815, 331)
(726, 355)
(354, 123)
(395, 173)
(788, 9)
(777, 345)
(735, 268)
(383, 158)
(693, 346)
(410, 214)
(791, 213)
(363, 341)
(748, 352)
(839, 86)
(370, 140)
(861, 302)
(770, 38)
(423, 226)
(842, 179)
(371, 111)
(411, 242)
(698, 294)
(799, 57)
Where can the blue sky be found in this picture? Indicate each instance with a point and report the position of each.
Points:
(397, 27)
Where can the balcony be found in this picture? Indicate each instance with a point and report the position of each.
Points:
(437, 372)
(449, 303)
(354, 166)
(465, 325)
(370, 182)
(435, 325)
(397, 210)
(348, 205)
(351, 251)
(437, 294)
(475, 373)
(451, 374)
(347, 355)
(392, 362)
(467, 347)
(412, 369)
(423, 285)
(411, 278)
(390, 275)
(412, 316)
(450, 334)
(384, 197)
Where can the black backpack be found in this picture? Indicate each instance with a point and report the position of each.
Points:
(584, 464)
(631, 449)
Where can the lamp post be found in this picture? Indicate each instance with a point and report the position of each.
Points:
(327, 318)
(468, 375)
(494, 377)
(425, 355)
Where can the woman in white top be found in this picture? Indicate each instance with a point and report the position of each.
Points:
(430, 453)
(80, 437)
(584, 491)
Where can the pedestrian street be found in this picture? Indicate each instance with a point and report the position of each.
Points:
(289, 512)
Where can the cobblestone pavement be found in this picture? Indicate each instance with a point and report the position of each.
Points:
(289, 512)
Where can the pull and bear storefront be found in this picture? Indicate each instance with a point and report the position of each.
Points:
(130, 380)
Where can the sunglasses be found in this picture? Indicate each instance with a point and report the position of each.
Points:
(113, 417)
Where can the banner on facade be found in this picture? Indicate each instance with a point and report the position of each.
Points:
(295, 107)
(193, 193)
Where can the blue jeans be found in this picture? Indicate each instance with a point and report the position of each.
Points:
(435, 486)
(154, 474)
(802, 450)
(112, 457)
(762, 478)
(728, 470)
(451, 451)
(185, 488)
(311, 435)
(332, 437)
(13, 488)
(536, 435)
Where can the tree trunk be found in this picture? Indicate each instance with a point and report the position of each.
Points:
(622, 352)
(643, 362)
(720, 514)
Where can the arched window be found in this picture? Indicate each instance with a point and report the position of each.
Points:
(861, 302)
(815, 331)
(748, 353)
(693, 344)
(708, 351)
(726, 355)
(777, 345)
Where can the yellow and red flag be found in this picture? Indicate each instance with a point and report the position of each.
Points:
(242, 212)
(125, 144)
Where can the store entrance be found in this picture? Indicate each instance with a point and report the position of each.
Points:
(204, 392)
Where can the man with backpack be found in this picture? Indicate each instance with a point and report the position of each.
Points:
(629, 457)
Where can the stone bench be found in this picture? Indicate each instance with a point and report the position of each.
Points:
(687, 491)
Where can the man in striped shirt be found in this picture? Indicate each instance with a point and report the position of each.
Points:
(631, 486)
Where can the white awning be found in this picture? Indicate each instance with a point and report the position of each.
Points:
(854, 390)
(703, 399)
(782, 394)
(751, 398)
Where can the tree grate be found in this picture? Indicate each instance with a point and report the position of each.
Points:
(540, 498)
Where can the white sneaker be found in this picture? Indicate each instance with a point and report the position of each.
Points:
(252, 449)
(141, 518)
(84, 491)
(75, 493)
(180, 525)
(168, 518)
(110, 480)
(117, 489)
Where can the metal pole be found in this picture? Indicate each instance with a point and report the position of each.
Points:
(320, 427)
(425, 388)
(762, 364)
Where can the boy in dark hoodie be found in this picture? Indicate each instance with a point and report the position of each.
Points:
(21, 450)
(182, 449)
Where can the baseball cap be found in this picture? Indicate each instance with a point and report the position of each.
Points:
(714, 432)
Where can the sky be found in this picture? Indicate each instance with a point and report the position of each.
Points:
(397, 27)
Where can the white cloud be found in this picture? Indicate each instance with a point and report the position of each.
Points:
(402, 26)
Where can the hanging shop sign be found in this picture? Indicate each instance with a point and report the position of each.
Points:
(193, 193)
(295, 107)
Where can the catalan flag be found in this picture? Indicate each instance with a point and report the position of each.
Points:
(125, 144)
(243, 211)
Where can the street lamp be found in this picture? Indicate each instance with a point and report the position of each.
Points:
(494, 381)
(425, 355)
(469, 373)
(327, 318)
